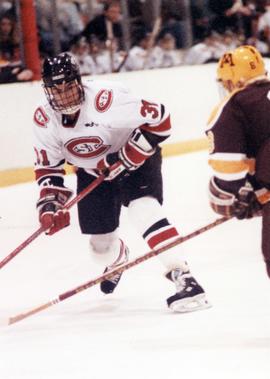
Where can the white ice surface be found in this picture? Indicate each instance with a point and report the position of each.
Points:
(131, 333)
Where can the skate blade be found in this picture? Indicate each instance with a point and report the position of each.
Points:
(197, 303)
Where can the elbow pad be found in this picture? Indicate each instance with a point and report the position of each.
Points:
(136, 150)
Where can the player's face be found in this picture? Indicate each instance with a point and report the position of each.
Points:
(114, 13)
(65, 97)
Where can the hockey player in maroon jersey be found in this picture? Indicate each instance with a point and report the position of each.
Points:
(239, 139)
(92, 126)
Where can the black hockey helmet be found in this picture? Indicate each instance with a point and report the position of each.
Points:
(62, 83)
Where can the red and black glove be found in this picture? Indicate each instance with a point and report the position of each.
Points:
(51, 206)
(131, 156)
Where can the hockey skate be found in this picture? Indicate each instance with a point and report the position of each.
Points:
(109, 285)
(189, 296)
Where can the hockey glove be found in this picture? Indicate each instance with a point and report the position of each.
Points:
(246, 204)
(243, 205)
(104, 166)
(131, 156)
(51, 207)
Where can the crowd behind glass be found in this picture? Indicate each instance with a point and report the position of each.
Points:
(99, 42)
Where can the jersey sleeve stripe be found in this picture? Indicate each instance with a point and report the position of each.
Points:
(41, 173)
(228, 156)
(233, 166)
(229, 167)
(230, 177)
(163, 128)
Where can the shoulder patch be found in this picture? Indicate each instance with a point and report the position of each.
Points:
(103, 100)
(41, 118)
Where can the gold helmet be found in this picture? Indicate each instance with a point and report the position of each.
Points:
(237, 67)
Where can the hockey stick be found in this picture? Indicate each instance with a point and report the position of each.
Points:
(75, 200)
(110, 274)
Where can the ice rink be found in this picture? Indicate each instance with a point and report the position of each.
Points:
(131, 333)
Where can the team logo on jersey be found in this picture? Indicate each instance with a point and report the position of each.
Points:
(87, 147)
(103, 100)
(41, 118)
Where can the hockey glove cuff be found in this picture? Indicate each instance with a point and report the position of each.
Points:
(131, 156)
(135, 152)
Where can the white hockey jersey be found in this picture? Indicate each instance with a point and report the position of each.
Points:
(107, 117)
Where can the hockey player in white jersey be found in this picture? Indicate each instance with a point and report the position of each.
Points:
(92, 125)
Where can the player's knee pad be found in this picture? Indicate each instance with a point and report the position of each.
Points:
(104, 247)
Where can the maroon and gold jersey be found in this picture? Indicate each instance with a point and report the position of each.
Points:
(237, 129)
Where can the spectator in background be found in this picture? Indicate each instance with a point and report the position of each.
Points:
(260, 6)
(201, 19)
(11, 67)
(263, 27)
(204, 51)
(139, 56)
(165, 54)
(70, 23)
(11, 73)
(96, 49)
(261, 46)
(224, 42)
(138, 19)
(80, 50)
(248, 16)
(44, 25)
(9, 40)
(6, 8)
(106, 26)
(174, 14)
(236, 15)
(221, 21)
(106, 60)
(89, 9)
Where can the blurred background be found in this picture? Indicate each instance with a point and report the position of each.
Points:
(110, 36)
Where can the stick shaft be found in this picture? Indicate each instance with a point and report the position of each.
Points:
(21, 247)
(118, 270)
(33, 236)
